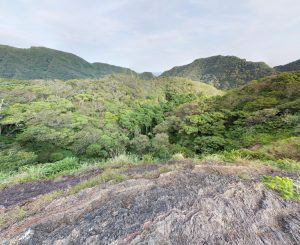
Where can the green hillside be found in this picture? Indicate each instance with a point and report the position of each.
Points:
(293, 66)
(261, 119)
(42, 121)
(47, 121)
(45, 63)
(222, 71)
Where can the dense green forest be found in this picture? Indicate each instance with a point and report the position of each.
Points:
(222, 71)
(290, 67)
(45, 63)
(44, 121)
(48, 121)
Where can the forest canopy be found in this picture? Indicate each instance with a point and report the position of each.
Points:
(47, 121)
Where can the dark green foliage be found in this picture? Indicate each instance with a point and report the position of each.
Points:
(209, 144)
(13, 159)
(94, 150)
(290, 67)
(222, 71)
(44, 121)
(142, 118)
(45, 63)
(56, 156)
(161, 145)
(140, 144)
(60, 166)
(248, 117)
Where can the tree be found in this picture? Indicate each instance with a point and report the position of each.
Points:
(161, 145)
(140, 144)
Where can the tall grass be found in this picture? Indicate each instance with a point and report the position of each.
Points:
(245, 156)
(41, 171)
(108, 175)
(66, 166)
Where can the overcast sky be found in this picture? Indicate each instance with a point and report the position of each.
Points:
(155, 35)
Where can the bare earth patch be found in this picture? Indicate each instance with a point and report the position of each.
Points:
(20, 193)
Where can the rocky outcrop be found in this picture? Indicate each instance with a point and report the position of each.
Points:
(199, 206)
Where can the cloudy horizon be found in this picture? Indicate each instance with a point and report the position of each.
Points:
(156, 35)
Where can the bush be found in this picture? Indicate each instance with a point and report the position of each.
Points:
(161, 145)
(52, 169)
(209, 144)
(13, 159)
(123, 159)
(56, 156)
(93, 150)
(255, 155)
(140, 144)
(178, 157)
(285, 186)
(147, 158)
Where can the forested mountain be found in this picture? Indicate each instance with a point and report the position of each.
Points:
(293, 66)
(222, 71)
(45, 63)
(48, 120)
(60, 141)
(42, 118)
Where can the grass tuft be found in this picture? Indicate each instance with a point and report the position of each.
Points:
(107, 175)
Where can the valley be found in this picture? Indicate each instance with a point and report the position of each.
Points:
(97, 154)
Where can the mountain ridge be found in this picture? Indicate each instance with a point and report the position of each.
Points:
(290, 67)
(222, 71)
(45, 63)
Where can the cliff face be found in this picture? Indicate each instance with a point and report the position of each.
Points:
(203, 205)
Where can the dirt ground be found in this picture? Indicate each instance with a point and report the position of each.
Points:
(207, 203)
(20, 193)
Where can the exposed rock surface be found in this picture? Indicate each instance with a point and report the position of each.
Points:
(183, 207)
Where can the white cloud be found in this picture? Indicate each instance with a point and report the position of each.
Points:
(156, 35)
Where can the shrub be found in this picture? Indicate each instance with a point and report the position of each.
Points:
(209, 144)
(147, 158)
(56, 156)
(52, 169)
(140, 144)
(283, 185)
(93, 150)
(123, 159)
(178, 157)
(13, 159)
(286, 164)
(160, 144)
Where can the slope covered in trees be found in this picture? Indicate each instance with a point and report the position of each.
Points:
(222, 71)
(47, 121)
(44, 121)
(45, 63)
(290, 67)
(262, 117)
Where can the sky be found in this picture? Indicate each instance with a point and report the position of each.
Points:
(155, 35)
